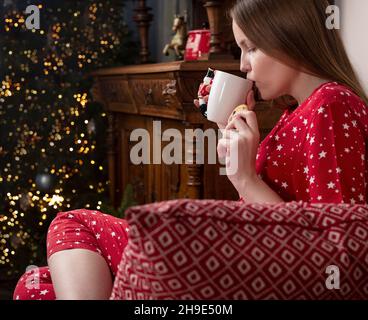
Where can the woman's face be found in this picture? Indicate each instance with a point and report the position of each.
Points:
(273, 79)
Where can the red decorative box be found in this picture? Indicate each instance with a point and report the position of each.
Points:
(198, 45)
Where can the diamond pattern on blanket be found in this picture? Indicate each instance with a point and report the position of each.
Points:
(210, 249)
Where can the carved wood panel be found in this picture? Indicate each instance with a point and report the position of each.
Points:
(117, 95)
(157, 97)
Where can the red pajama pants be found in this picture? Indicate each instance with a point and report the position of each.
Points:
(77, 229)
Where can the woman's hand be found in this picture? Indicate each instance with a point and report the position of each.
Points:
(242, 132)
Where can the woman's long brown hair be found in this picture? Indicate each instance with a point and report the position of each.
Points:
(294, 32)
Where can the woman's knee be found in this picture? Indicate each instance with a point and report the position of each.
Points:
(60, 226)
(72, 229)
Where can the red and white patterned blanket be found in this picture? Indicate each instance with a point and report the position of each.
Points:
(209, 249)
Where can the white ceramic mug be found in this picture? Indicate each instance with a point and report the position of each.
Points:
(227, 92)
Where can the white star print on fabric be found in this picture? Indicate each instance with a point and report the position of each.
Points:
(43, 292)
(325, 160)
(322, 154)
(331, 185)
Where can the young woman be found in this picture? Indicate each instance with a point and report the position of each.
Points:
(315, 153)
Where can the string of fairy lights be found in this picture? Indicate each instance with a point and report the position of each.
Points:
(67, 123)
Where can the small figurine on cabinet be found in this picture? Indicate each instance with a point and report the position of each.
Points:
(178, 41)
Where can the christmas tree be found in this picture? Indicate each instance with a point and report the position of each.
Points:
(52, 134)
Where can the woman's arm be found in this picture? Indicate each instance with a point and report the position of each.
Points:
(256, 190)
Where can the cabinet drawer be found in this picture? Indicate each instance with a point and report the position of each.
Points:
(157, 97)
(117, 95)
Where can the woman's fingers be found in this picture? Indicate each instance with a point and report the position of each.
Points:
(222, 148)
(242, 121)
(251, 120)
(237, 123)
(229, 133)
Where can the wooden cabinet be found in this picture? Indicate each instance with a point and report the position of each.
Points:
(135, 97)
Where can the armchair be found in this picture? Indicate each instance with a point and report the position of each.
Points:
(210, 249)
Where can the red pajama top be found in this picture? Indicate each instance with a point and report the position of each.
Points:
(317, 152)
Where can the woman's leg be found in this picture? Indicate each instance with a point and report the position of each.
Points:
(84, 248)
(80, 274)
